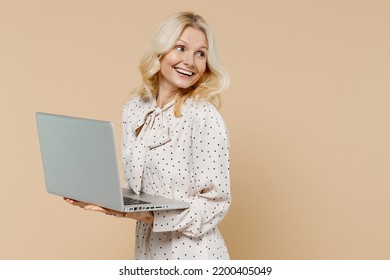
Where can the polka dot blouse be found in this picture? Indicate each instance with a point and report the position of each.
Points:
(186, 159)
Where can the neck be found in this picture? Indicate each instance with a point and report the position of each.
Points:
(165, 96)
(166, 92)
(163, 100)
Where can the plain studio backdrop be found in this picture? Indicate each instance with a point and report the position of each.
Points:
(307, 111)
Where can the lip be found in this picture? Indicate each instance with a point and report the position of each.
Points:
(184, 72)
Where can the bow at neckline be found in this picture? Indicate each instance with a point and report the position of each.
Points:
(147, 125)
(152, 131)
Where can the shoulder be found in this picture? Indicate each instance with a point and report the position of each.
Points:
(136, 106)
(136, 103)
(203, 112)
(200, 108)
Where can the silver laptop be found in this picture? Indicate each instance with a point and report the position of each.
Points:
(80, 162)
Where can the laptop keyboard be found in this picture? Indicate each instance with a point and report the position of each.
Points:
(132, 201)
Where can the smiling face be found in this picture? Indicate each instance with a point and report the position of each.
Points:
(185, 63)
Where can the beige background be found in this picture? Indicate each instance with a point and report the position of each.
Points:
(307, 110)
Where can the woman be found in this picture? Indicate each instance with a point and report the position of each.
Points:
(175, 144)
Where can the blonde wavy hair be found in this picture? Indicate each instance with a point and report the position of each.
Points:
(214, 80)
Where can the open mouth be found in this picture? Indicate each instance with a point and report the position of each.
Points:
(184, 72)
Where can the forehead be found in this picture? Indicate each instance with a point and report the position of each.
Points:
(194, 37)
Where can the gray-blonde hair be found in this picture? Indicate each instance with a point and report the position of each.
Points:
(213, 81)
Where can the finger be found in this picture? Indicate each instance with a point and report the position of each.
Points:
(94, 208)
(68, 200)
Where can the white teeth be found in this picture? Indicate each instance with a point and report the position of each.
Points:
(184, 72)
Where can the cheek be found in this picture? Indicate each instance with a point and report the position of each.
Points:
(167, 60)
(172, 58)
(201, 68)
(165, 66)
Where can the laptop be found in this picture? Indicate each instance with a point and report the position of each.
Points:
(80, 162)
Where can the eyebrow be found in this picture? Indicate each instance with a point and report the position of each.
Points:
(201, 47)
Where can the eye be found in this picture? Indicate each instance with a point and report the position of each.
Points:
(180, 48)
(201, 54)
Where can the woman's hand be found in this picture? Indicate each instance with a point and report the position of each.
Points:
(146, 217)
(75, 202)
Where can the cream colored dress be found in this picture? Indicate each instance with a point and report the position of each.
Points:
(187, 159)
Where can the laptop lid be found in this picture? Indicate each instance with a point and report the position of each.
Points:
(80, 162)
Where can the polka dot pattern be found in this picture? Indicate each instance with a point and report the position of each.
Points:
(185, 159)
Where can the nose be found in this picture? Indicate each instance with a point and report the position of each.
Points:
(189, 60)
